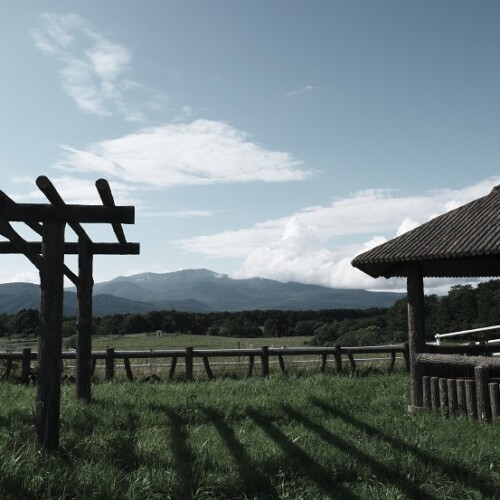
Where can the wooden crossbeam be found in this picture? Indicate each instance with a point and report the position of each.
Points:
(71, 248)
(48, 189)
(104, 190)
(31, 212)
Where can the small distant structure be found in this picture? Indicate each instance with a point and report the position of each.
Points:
(462, 243)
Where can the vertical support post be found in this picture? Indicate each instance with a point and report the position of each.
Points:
(48, 397)
(337, 356)
(250, 365)
(25, 366)
(264, 357)
(482, 377)
(416, 330)
(84, 321)
(189, 363)
(110, 363)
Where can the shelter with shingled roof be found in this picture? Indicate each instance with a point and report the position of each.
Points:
(462, 243)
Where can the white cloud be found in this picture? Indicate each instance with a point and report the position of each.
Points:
(94, 68)
(202, 152)
(310, 246)
(180, 214)
(304, 90)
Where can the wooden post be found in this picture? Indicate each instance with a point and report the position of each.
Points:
(322, 365)
(337, 356)
(84, 321)
(461, 402)
(406, 356)
(128, 369)
(495, 400)
(189, 363)
(452, 396)
(416, 330)
(25, 366)
(251, 360)
(443, 397)
(48, 399)
(206, 363)
(110, 363)
(264, 357)
(426, 396)
(481, 375)
(393, 362)
(282, 363)
(171, 372)
(470, 399)
(352, 363)
(435, 393)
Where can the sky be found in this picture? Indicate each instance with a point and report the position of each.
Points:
(270, 138)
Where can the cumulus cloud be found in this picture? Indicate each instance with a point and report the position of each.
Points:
(310, 246)
(94, 69)
(198, 153)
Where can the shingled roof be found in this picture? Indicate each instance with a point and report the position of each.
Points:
(464, 242)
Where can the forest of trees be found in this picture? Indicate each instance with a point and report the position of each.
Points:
(464, 307)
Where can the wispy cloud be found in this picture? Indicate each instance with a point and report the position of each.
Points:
(309, 246)
(180, 214)
(94, 69)
(304, 90)
(198, 153)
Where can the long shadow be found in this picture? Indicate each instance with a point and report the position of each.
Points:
(384, 473)
(183, 455)
(301, 461)
(454, 471)
(254, 481)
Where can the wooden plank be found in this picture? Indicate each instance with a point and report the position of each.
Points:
(452, 396)
(71, 248)
(104, 190)
(493, 388)
(32, 212)
(426, 395)
(461, 401)
(470, 399)
(457, 360)
(482, 378)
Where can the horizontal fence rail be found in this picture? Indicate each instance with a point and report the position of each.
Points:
(266, 355)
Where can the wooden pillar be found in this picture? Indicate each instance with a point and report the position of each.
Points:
(84, 321)
(48, 397)
(110, 364)
(416, 330)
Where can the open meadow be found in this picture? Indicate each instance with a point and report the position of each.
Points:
(317, 436)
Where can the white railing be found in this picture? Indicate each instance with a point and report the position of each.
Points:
(440, 336)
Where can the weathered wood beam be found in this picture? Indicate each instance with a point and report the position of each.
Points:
(48, 189)
(104, 190)
(416, 330)
(48, 398)
(20, 245)
(71, 248)
(31, 212)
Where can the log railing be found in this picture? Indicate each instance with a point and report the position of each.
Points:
(189, 354)
(456, 384)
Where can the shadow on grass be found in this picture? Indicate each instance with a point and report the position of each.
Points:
(384, 474)
(455, 472)
(183, 458)
(297, 458)
(254, 481)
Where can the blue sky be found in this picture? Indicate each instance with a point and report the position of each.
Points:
(273, 138)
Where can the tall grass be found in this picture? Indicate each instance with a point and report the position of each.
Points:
(283, 437)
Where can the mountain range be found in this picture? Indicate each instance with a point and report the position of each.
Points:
(198, 290)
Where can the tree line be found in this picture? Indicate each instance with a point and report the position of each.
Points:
(464, 307)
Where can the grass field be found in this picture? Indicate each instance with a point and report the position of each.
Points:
(283, 437)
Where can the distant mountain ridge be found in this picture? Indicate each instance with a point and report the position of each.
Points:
(199, 290)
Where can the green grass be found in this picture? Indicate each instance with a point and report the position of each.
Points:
(285, 437)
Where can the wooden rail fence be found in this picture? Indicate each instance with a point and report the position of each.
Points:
(189, 354)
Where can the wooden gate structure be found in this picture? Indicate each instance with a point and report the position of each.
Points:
(47, 255)
(462, 243)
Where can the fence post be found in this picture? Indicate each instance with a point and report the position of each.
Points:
(250, 365)
(128, 369)
(452, 396)
(443, 397)
(282, 363)
(406, 355)
(493, 388)
(322, 366)
(470, 399)
(461, 403)
(264, 356)
(25, 366)
(337, 356)
(482, 377)
(171, 372)
(110, 363)
(426, 387)
(189, 363)
(210, 374)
